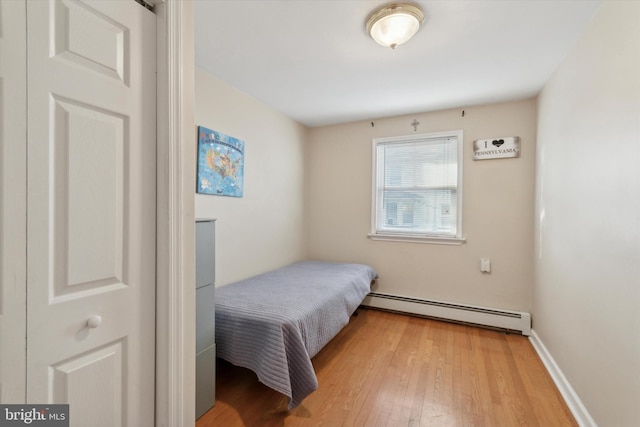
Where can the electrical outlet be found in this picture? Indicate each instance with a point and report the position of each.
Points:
(485, 265)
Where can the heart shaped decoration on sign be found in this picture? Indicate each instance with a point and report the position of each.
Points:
(498, 142)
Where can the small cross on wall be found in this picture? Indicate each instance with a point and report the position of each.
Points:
(415, 124)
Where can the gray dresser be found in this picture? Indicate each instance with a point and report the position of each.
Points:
(205, 316)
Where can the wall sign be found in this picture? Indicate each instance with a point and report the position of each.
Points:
(496, 148)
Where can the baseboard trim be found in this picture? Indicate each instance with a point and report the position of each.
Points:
(571, 398)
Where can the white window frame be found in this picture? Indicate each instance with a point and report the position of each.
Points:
(377, 166)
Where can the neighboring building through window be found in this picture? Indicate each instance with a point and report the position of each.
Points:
(417, 188)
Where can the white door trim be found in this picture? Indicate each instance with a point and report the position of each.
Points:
(13, 202)
(175, 303)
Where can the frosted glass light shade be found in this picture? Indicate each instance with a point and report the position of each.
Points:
(395, 24)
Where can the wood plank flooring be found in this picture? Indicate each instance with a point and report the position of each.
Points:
(388, 369)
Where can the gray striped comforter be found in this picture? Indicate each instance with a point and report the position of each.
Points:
(274, 323)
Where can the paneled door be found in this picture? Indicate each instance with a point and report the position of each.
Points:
(91, 210)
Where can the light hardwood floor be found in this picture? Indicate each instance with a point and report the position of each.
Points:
(388, 369)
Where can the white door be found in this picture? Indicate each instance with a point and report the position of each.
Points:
(13, 199)
(91, 210)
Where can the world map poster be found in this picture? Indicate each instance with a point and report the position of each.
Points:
(220, 163)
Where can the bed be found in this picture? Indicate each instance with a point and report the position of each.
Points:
(274, 323)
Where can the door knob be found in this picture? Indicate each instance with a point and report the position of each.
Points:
(94, 321)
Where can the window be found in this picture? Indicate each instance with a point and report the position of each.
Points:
(417, 188)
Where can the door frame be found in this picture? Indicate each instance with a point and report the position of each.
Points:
(175, 215)
(13, 206)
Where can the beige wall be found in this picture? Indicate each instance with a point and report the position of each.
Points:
(265, 228)
(587, 265)
(498, 209)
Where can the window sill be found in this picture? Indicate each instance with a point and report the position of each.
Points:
(419, 239)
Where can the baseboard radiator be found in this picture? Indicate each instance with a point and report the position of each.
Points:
(482, 316)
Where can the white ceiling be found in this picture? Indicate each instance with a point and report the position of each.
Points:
(313, 60)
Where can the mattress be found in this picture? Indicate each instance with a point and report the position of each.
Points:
(274, 323)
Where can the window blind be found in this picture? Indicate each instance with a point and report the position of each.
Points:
(417, 184)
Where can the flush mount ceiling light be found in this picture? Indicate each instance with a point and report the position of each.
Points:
(394, 24)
